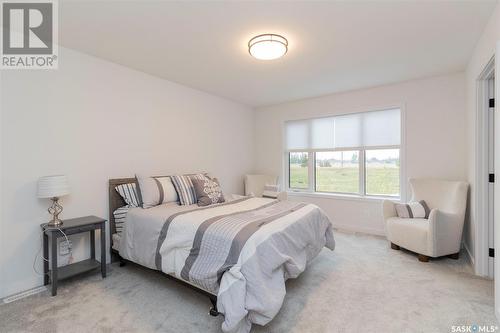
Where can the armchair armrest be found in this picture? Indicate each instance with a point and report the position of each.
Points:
(233, 196)
(388, 209)
(445, 232)
(282, 196)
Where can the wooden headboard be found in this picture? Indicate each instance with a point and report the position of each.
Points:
(116, 201)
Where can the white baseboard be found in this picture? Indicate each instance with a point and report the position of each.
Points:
(24, 294)
(469, 255)
(350, 228)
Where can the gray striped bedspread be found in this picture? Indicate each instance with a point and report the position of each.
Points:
(242, 251)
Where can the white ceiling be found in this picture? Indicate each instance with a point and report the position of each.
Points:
(333, 46)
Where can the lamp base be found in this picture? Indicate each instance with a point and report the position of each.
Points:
(55, 223)
(55, 210)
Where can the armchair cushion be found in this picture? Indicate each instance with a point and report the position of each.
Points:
(411, 234)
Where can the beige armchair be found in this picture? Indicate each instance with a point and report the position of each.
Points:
(441, 233)
(254, 185)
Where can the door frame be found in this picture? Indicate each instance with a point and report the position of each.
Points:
(481, 246)
(496, 204)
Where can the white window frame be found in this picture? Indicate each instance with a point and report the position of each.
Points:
(311, 190)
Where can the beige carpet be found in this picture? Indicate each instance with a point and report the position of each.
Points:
(363, 286)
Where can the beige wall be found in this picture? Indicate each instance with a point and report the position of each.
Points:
(94, 120)
(434, 130)
(483, 52)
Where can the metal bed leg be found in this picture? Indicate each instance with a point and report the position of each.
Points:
(213, 311)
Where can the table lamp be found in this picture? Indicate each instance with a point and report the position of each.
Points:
(53, 187)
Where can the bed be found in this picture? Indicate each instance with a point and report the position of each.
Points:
(238, 253)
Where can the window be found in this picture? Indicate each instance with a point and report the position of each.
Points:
(382, 172)
(299, 170)
(337, 171)
(349, 154)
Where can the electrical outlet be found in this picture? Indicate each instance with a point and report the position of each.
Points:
(64, 247)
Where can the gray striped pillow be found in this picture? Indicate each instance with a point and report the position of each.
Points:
(129, 194)
(416, 209)
(185, 189)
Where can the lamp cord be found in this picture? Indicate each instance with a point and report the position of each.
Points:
(38, 254)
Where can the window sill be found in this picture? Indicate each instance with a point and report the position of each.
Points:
(338, 196)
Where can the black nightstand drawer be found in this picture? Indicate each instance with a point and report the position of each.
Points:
(77, 230)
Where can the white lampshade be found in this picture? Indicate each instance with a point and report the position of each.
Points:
(53, 186)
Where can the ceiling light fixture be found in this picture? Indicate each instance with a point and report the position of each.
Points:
(268, 46)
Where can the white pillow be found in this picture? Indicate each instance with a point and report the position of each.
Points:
(156, 191)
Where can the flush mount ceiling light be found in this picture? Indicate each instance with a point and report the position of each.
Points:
(268, 46)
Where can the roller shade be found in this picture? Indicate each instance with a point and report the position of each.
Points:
(368, 129)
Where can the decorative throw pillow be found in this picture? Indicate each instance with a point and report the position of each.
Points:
(208, 191)
(184, 187)
(120, 215)
(270, 191)
(156, 191)
(129, 193)
(416, 209)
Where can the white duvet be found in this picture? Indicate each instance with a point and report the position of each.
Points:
(253, 289)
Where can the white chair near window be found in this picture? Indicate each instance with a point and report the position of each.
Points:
(254, 185)
(440, 234)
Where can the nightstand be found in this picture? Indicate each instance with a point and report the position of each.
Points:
(71, 227)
